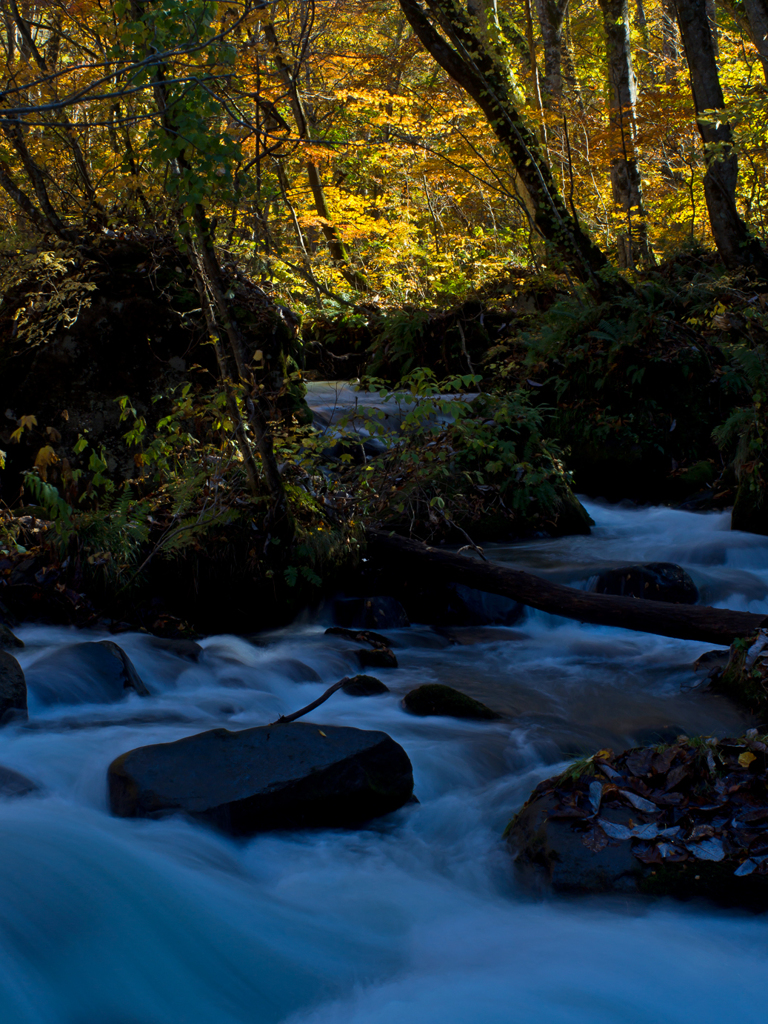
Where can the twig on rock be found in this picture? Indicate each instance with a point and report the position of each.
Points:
(315, 703)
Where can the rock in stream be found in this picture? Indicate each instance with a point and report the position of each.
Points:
(13, 689)
(687, 819)
(287, 776)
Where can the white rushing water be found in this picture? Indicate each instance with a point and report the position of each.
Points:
(416, 918)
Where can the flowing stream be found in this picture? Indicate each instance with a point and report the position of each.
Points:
(418, 917)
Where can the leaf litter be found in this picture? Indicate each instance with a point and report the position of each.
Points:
(693, 800)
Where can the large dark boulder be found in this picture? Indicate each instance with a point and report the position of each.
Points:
(84, 673)
(289, 776)
(687, 819)
(13, 689)
(656, 581)
(438, 699)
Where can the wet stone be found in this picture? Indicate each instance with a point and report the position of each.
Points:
(13, 690)
(364, 686)
(656, 581)
(14, 784)
(95, 672)
(686, 820)
(288, 776)
(378, 657)
(8, 640)
(187, 649)
(438, 699)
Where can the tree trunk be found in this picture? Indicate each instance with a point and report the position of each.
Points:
(757, 18)
(535, 78)
(479, 71)
(625, 174)
(222, 324)
(670, 50)
(336, 246)
(712, 19)
(736, 246)
(687, 622)
(551, 15)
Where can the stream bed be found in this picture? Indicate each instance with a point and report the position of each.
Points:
(418, 917)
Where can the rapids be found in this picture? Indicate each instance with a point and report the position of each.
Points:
(416, 918)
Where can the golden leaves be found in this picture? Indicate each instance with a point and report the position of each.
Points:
(45, 457)
(25, 423)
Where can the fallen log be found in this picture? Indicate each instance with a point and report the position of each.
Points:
(686, 622)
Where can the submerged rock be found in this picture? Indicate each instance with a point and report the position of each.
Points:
(181, 648)
(131, 678)
(289, 776)
(446, 603)
(370, 613)
(688, 819)
(378, 657)
(656, 581)
(437, 699)
(13, 689)
(8, 640)
(364, 686)
(93, 672)
(13, 784)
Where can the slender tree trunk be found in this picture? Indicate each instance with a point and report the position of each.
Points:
(24, 203)
(625, 173)
(336, 246)
(535, 79)
(32, 52)
(478, 70)
(736, 246)
(570, 77)
(712, 19)
(551, 15)
(222, 323)
(670, 49)
(257, 402)
(752, 18)
(36, 175)
(757, 18)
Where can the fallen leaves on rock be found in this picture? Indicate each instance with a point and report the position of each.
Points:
(694, 800)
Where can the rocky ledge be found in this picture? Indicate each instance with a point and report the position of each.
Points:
(688, 819)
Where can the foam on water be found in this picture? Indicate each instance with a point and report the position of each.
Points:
(418, 917)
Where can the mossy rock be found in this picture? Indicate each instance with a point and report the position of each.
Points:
(364, 686)
(438, 699)
(744, 680)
